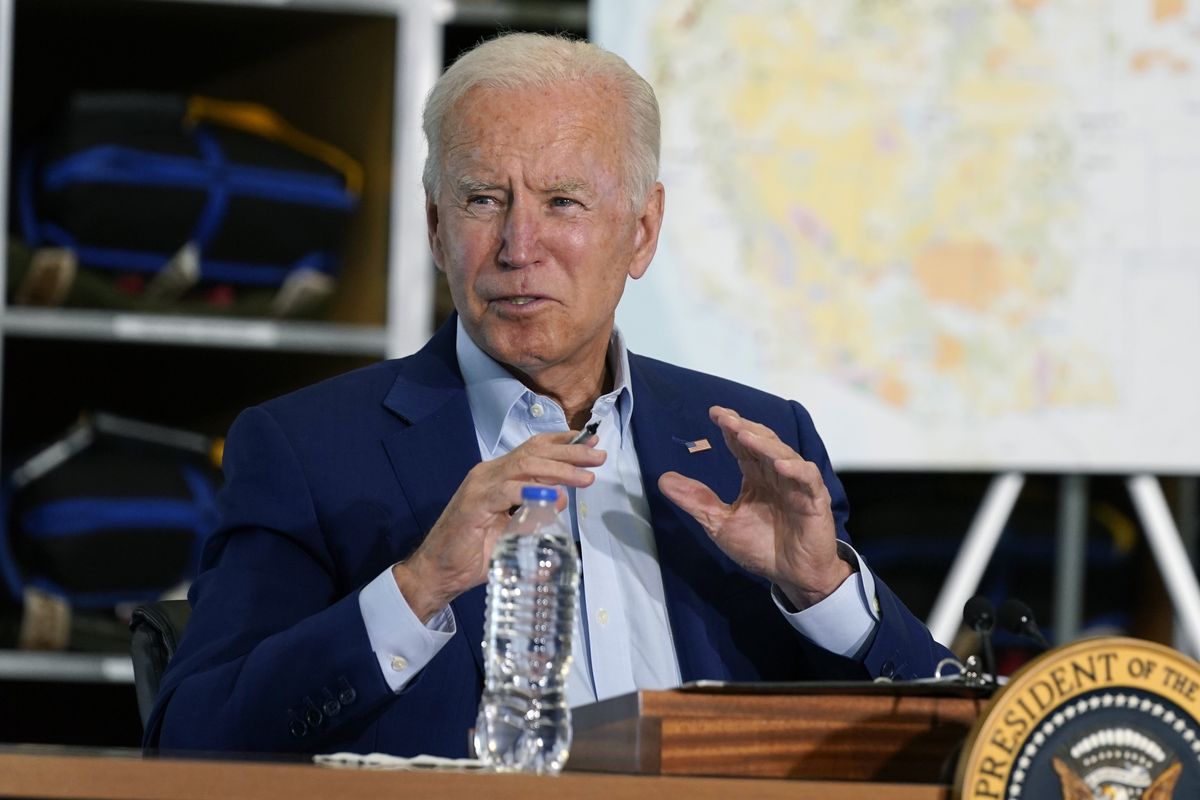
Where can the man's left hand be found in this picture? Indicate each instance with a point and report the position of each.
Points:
(781, 524)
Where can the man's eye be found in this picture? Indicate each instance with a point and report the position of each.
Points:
(481, 200)
(563, 202)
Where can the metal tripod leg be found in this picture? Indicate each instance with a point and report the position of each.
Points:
(972, 559)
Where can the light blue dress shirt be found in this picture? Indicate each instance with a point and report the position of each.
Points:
(623, 636)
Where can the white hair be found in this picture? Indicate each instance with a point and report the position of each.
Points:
(531, 60)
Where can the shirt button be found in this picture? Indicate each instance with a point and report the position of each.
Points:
(602, 616)
(399, 663)
(583, 509)
(537, 410)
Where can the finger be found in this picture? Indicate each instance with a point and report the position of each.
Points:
(542, 470)
(558, 438)
(732, 417)
(728, 419)
(765, 448)
(696, 499)
(805, 479)
(754, 441)
(558, 446)
(727, 422)
(498, 495)
(749, 461)
(553, 437)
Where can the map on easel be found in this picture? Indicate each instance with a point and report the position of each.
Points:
(964, 235)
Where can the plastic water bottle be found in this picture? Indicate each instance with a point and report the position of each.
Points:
(524, 722)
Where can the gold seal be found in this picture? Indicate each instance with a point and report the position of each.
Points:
(1101, 718)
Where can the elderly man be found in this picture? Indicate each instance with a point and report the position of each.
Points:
(340, 606)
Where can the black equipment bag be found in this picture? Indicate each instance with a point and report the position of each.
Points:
(100, 518)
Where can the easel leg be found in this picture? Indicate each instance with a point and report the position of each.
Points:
(1070, 559)
(972, 559)
(1172, 559)
(1188, 508)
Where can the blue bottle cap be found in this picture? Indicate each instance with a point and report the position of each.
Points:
(539, 493)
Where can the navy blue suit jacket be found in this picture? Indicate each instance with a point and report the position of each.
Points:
(328, 486)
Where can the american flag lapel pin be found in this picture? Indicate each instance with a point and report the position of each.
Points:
(694, 446)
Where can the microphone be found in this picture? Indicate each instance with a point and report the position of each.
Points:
(980, 617)
(1016, 617)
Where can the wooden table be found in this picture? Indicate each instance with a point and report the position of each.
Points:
(818, 741)
(52, 772)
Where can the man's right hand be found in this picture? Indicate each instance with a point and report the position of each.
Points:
(454, 556)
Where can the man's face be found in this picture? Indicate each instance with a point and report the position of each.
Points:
(532, 224)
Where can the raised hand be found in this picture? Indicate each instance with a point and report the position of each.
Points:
(454, 556)
(781, 524)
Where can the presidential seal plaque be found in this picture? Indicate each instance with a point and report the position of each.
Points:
(1100, 719)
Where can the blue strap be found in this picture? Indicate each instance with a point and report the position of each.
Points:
(123, 165)
(81, 516)
(8, 564)
(213, 173)
(218, 191)
(239, 272)
(26, 208)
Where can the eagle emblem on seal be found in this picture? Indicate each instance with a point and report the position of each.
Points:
(1117, 764)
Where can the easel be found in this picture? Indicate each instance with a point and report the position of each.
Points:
(1164, 538)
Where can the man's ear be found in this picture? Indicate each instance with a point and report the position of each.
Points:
(649, 225)
(433, 231)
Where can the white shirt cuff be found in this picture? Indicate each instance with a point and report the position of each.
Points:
(401, 643)
(844, 622)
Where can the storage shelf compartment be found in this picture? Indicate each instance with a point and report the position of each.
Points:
(329, 73)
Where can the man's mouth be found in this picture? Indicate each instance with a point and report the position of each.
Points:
(517, 300)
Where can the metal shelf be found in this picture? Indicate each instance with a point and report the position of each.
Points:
(552, 15)
(19, 665)
(440, 7)
(248, 334)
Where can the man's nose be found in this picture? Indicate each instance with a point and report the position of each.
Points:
(520, 237)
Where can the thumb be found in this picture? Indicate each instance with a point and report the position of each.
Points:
(695, 498)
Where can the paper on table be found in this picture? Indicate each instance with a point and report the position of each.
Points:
(385, 761)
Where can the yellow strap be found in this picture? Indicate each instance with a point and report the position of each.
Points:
(216, 451)
(254, 118)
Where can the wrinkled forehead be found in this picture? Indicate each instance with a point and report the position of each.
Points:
(583, 119)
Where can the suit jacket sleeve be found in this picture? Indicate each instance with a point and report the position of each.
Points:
(902, 647)
(276, 656)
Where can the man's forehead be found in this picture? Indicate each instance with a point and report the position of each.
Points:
(558, 135)
(587, 104)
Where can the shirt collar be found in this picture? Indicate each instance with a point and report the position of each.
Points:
(492, 391)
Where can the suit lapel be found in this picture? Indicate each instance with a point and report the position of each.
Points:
(432, 449)
(692, 566)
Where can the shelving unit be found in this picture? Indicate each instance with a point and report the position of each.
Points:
(351, 72)
(319, 63)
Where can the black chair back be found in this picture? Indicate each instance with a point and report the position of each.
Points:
(156, 631)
